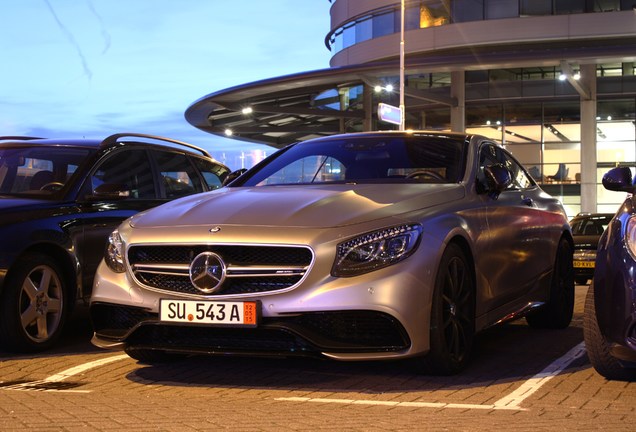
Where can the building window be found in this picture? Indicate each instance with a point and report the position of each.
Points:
(569, 6)
(606, 5)
(467, 10)
(536, 7)
(383, 24)
(501, 9)
(433, 14)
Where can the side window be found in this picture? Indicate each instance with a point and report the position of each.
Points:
(128, 168)
(177, 174)
(520, 179)
(491, 154)
(213, 173)
(488, 155)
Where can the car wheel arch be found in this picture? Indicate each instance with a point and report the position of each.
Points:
(68, 264)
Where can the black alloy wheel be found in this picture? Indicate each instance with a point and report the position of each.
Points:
(452, 328)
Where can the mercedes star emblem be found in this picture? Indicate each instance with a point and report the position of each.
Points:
(207, 272)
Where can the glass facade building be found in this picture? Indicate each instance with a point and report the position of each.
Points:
(552, 80)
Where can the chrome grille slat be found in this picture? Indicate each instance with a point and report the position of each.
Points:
(250, 269)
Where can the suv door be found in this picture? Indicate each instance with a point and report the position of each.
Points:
(130, 169)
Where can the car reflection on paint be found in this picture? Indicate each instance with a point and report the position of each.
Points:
(610, 305)
(381, 245)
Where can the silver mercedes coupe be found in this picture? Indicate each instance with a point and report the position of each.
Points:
(378, 245)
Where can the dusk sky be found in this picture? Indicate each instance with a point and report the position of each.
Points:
(90, 68)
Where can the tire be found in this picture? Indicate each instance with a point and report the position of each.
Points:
(598, 349)
(35, 304)
(558, 311)
(149, 356)
(452, 327)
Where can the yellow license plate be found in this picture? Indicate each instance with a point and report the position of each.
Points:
(583, 264)
(209, 312)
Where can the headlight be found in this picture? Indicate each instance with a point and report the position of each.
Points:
(375, 250)
(630, 236)
(114, 256)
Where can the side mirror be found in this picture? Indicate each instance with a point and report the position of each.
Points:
(233, 176)
(498, 178)
(619, 179)
(111, 191)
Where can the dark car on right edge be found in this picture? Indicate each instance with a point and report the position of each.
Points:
(610, 306)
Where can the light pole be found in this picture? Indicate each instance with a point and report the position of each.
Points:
(402, 109)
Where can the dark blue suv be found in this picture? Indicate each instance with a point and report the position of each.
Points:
(610, 307)
(59, 201)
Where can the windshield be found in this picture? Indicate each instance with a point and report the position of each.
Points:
(374, 159)
(37, 170)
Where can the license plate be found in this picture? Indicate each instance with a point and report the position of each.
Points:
(584, 264)
(209, 312)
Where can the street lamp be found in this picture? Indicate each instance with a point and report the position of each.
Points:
(402, 108)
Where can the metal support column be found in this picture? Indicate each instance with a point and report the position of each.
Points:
(588, 140)
(458, 93)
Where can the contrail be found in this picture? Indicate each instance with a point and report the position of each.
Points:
(104, 32)
(72, 40)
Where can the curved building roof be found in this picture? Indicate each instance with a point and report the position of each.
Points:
(281, 110)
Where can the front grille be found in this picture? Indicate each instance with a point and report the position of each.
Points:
(249, 269)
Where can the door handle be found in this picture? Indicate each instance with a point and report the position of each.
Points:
(527, 201)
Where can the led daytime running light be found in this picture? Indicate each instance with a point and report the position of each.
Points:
(375, 250)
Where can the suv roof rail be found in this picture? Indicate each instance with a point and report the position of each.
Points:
(18, 137)
(112, 139)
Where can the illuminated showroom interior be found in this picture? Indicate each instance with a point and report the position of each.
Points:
(552, 80)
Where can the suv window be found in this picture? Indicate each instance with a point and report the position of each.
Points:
(177, 174)
(129, 168)
(37, 170)
(213, 174)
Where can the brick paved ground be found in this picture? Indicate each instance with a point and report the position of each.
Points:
(210, 394)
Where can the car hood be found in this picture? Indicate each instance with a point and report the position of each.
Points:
(311, 206)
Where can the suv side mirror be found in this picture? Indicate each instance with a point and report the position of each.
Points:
(111, 191)
(233, 176)
(619, 179)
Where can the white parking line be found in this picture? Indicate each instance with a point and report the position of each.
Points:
(526, 389)
(511, 401)
(84, 367)
(49, 384)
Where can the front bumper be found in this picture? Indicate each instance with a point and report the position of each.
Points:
(334, 333)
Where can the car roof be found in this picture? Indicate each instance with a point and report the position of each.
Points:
(388, 133)
(30, 141)
(593, 216)
(110, 141)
